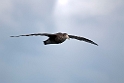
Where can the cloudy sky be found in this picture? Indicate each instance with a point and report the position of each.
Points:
(27, 60)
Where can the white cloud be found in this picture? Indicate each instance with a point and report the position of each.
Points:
(86, 8)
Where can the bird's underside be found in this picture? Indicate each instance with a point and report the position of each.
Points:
(58, 38)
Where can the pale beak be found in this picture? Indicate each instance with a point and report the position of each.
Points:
(67, 37)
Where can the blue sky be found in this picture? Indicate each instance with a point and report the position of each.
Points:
(27, 60)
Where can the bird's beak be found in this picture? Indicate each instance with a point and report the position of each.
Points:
(67, 37)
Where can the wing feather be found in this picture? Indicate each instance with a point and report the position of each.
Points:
(36, 34)
(82, 39)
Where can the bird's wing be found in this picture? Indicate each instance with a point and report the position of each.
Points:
(36, 34)
(82, 39)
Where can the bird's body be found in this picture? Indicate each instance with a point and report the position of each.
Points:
(58, 38)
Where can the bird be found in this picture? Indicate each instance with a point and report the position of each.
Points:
(58, 38)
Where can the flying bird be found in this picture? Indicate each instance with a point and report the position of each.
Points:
(58, 38)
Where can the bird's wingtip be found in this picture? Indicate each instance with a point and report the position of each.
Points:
(14, 36)
(96, 44)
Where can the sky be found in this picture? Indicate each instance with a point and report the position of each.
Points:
(28, 60)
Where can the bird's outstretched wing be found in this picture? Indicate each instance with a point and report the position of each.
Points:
(36, 34)
(82, 39)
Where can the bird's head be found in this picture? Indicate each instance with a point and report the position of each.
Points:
(66, 35)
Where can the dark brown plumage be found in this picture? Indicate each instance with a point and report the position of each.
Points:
(58, 38)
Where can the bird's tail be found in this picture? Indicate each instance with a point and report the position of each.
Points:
(48, 41)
